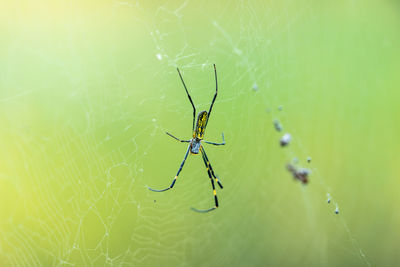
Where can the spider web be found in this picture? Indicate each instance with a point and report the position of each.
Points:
(89, 89)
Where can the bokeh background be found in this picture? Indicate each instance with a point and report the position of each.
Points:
(88, 88)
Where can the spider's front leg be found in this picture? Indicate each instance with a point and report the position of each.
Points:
(176, 176)
(215, 198)
(211, 175)
(209, 167)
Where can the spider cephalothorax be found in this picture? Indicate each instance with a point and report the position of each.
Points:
(195, 145)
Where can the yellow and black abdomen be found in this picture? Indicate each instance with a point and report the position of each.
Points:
(200, 125)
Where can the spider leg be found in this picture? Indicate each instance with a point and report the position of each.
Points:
(216, 144)
(211, 175)
(216, 92)
(215, 198)
(176, 176)
(183, 141)
(209, 168)
(190, 99)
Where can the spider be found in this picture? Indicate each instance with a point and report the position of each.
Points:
(195, 144)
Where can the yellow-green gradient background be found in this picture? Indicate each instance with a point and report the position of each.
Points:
(88, 88)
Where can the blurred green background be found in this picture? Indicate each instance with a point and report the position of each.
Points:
(88, 88)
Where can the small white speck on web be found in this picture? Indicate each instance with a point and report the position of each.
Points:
(255, 87)
(308, 159)
(285, 140)
(159, 56)
(337, 209)
(154, 120)
(141, 170)
(280, 108)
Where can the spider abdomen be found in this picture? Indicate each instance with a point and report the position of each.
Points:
(201, 125)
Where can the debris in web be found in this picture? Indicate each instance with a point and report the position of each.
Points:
(285, 140)
(159, 56)
(300, 174)
(280, 108)
(308, 159)
(337, 209)
(278, 125)
(329, 198)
